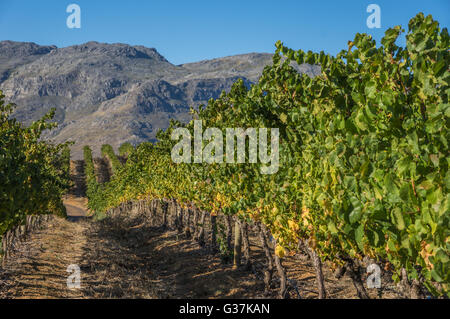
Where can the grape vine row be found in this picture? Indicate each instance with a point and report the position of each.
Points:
(34, 174)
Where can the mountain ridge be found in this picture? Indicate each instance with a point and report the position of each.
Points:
(115, 93)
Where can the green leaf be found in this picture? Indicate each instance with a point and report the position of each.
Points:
(439, 67)
(405, 192)
(442, 256)
(397, 218)
(391, 245)
(414, 142)
(359, 235)
(332, 228)
(371, 89)
(374, 238)
(389, 184)
(355, 215)
(403, 165)
(436, 276)
(361, 121)
(294, 117)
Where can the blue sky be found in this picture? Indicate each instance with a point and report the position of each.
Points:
(188, 31)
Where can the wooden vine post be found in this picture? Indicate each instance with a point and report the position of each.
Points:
(237, 244)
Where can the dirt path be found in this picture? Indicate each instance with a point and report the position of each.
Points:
(79, 179)
(74, 211)
(38, 267)
(76, 207)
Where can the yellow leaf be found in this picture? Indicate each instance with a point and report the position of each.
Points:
(280, 251)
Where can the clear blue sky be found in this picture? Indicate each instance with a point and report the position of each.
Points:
(187, 31)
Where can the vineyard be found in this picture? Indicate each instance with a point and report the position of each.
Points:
(363, 173)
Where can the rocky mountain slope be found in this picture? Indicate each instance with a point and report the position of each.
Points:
(115, 93)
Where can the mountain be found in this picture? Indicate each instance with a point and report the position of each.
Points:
(115, 93)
